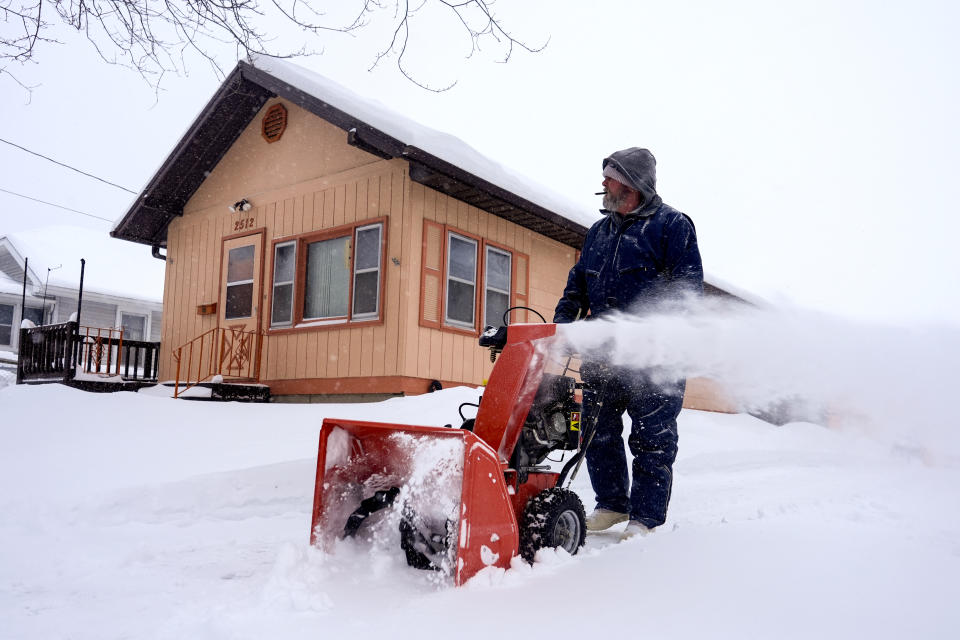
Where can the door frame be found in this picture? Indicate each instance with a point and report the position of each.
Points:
(257, 293)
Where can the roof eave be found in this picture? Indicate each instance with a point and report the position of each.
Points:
(196, 154)
(218, 126)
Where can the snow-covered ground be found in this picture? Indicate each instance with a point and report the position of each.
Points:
(138, 516)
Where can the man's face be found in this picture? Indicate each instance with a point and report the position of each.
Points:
(617, 195)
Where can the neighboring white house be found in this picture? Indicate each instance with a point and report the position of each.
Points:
(122, 287)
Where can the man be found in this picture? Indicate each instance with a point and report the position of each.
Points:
(642, 254)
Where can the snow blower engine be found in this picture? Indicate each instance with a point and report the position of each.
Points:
(457, 500)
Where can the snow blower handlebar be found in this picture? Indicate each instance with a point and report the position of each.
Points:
(512, 385)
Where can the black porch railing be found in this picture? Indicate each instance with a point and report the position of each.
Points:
(116, 356)
(46, 354)
(62, 352)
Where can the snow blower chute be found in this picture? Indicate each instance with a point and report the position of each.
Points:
(461, 499)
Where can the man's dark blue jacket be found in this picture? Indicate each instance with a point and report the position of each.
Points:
(637, 260)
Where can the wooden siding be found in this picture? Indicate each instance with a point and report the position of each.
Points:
(432, 353)
(708, 395)
(396, 347)
(310, 148)
(194, 255)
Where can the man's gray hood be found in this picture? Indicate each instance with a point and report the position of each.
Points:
(639, 167)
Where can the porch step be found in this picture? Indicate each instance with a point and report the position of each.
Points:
(224, 392)
(112, 386)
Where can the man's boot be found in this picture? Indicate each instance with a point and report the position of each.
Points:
(602, 519)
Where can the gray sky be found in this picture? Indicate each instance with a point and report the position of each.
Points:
(812, 142)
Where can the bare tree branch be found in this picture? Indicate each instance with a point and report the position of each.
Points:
(153, 37)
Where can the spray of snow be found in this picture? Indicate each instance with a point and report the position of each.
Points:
(429, 472)
(893, 382)
(338, 448)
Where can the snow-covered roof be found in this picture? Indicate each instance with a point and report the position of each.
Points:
(113, 268)
(11, 286)
(437, 160)
(443, 145)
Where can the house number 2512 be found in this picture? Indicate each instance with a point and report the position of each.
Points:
(244, 223)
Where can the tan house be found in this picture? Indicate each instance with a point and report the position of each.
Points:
(321, 245)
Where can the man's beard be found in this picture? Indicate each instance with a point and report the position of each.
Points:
(612, 202)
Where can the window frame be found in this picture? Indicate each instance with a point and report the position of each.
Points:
(483, 244)
(302, 241)
(299, 308)
(250, 281)
(477, 244)
(375, 314)
(130, 312)
(13, 317)
(292, 282)
(487, 248)
(43, 314)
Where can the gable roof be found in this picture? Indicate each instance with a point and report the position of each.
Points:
(12, 263)
(437, 160)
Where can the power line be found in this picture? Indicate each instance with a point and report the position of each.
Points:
(58, 206)
(89, 175)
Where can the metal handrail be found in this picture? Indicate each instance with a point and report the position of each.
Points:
(92, 349)
(228, 352)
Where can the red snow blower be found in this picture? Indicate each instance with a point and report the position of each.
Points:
(462, 499)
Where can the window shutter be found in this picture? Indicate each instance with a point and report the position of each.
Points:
(431, 278)
(521, 284)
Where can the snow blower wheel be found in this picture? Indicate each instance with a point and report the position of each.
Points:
(554, 518)
(425, 548)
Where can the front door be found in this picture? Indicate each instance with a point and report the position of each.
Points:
(239, 307)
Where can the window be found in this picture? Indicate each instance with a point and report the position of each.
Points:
(239, 283)
(34, 315)
(6, 324)
(134, 326)
(460, 272)
(284, 268)
(334, 276)
(327, 279)
(461, 280)
(366, 272)
(496, 299)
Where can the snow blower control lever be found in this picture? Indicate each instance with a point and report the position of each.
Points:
(458, 500)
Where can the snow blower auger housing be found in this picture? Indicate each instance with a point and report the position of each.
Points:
(463, 498)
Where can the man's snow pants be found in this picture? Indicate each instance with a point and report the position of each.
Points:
(653, 410)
